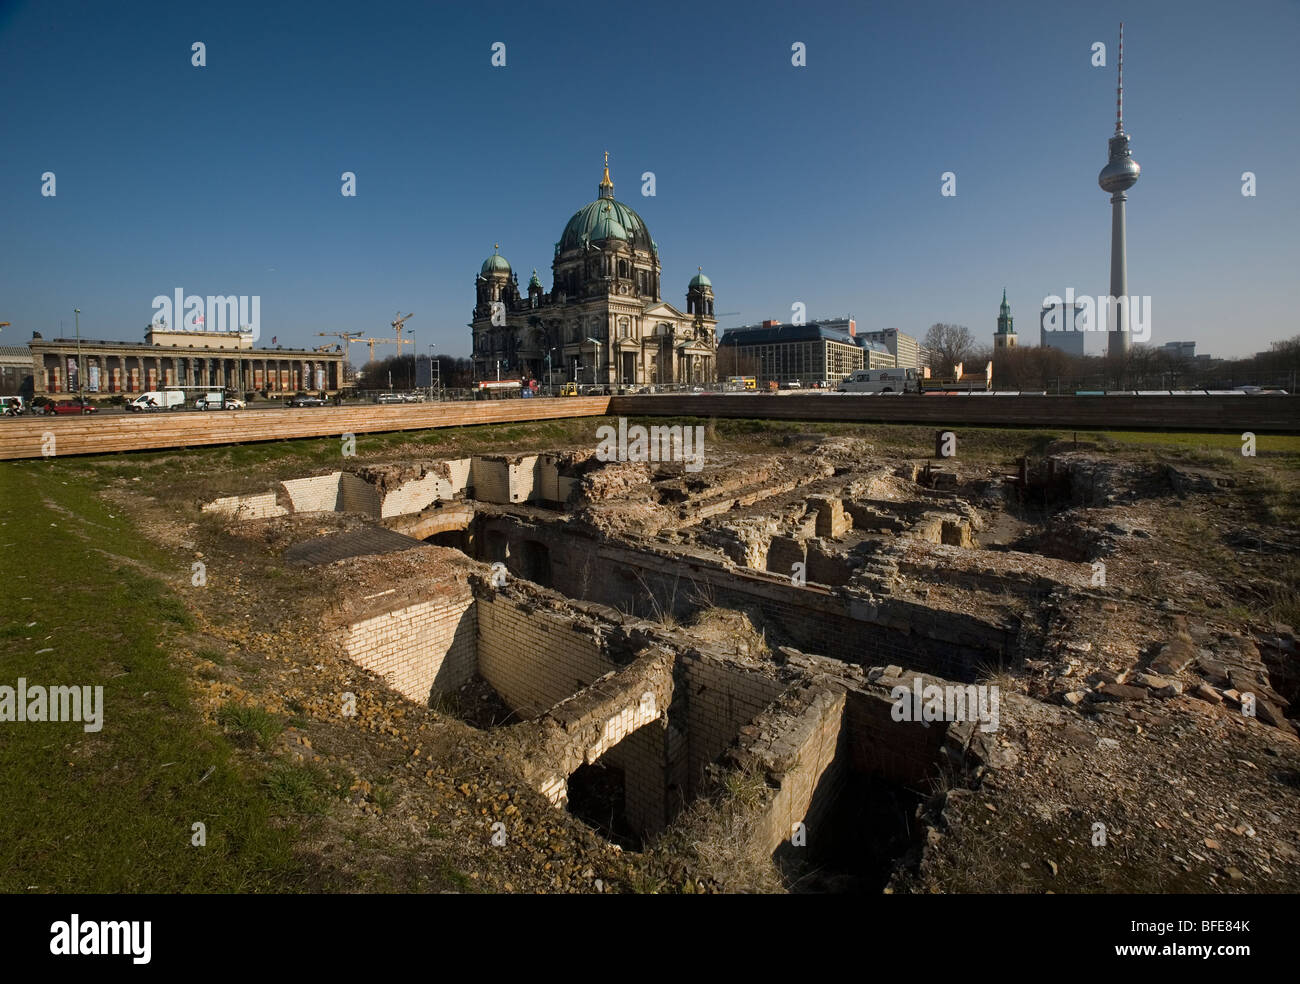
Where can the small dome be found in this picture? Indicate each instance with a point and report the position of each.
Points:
(496, 263)
(533, 281)
(700, 280)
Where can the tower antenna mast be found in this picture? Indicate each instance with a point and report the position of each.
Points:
(1119, 96)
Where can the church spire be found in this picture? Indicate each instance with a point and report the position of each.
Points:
(606, 185)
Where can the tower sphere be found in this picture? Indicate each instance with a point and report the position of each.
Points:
(1121, 171)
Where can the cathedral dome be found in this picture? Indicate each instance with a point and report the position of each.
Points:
(605, 219)
(496, 263)
(700, 280)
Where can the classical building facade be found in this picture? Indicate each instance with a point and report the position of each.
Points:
(604, 320)
(224, 360)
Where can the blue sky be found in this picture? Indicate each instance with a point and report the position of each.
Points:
(817, 185)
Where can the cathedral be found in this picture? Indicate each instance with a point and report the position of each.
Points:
(604, 320)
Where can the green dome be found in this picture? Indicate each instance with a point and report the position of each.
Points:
(533, 281)
(496, 263)
(604, 219)
(700, 280)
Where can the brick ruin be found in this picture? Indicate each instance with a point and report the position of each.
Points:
(644, 630)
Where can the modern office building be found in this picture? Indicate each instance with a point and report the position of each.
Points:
(818, 353)
(1057, 329)
(906, 351)
(1179, 350)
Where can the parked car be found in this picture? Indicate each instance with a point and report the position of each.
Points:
(304, 400)
(82, 406)
(388, 398)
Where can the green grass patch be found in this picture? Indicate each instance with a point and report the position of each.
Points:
(250, 723)
(302, 789)
(114, 811)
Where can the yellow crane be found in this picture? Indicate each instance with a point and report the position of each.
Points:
(346, 337)
(399, 325)
(372, 342)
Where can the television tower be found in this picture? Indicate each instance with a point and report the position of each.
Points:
(1120, 174)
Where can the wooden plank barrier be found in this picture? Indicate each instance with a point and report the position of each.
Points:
(25, 437)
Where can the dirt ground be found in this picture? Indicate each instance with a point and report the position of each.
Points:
(1131, 755)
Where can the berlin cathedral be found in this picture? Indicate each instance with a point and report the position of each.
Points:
(604, 320)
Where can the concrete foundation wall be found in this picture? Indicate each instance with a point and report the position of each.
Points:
(420, 648)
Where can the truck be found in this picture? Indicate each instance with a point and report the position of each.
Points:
(497, 389)
(882, 381)
(915, 381)
(157, 400)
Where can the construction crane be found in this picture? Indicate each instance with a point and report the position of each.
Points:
(345, 337)
(398, 325)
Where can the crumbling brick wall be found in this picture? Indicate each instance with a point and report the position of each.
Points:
(720, 698)
(535, 659)
(419, 648)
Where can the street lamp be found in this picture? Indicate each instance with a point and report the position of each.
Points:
(81, 365)
(548, 371)
(595, 370)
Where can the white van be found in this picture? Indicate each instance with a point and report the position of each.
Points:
(881, 381)
(157, 400)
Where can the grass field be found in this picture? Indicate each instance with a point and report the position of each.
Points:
(113, 810)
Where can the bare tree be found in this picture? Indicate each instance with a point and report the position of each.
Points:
(948, 345)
